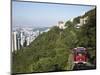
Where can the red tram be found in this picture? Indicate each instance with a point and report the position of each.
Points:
(80, 55)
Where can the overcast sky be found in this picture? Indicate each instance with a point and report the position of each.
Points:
(42, 14)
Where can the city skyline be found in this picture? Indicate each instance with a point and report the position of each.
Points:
(43, 14)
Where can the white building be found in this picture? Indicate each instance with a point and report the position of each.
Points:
(14, 41)
(28, 40)
(61, 25)
(22, 38)
(83, 20)
(18, 43)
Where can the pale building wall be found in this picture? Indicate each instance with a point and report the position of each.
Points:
(14, 41)
(83, 20)
(61, 25)
(18, 43)
(28, 41)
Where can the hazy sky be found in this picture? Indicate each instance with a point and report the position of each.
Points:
(41, 14)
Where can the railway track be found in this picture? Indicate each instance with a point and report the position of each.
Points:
(81, 66)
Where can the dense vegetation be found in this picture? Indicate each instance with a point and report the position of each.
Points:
(50, 51)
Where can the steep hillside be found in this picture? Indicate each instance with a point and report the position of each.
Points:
(50, 51)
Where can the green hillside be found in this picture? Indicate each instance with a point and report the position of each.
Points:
(50, 51)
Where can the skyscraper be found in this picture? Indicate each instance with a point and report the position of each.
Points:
(14, 41)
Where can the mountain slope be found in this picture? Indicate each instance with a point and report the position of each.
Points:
(50, 51)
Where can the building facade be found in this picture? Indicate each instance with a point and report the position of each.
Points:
(14, 41)
(83, 20)
(61, 25)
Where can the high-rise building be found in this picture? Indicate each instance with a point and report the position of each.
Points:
(18, 43)
(22, 37)
(28, 40)
(14, 41)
